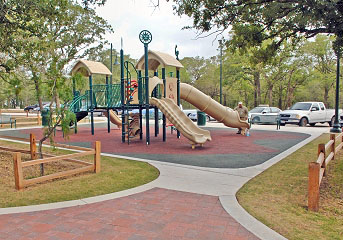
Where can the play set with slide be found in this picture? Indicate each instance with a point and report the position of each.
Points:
(136, 91)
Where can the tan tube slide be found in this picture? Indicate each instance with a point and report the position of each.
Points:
(114, 118)
(186, 126)
(206, 104)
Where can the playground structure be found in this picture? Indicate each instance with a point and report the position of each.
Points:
(136, 91)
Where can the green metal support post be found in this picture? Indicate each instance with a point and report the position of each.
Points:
(74, 87)
(141, 102)
(145, 37)
(164, 95)
(74, 91)
(122, 93)
(75, 130)
(111, 68)
(178, 96)
(147, 130)
(107, 105)
(91, 103)
(221, 72)
(156, 109)
(178, 135)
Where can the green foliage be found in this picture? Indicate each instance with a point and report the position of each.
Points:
(263, 27)
(201, 73)
(302, 72)
(41, 38)
(256, 21)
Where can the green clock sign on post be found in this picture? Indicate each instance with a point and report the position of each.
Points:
(145, 37)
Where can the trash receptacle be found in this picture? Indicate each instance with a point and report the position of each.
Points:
(201, 118)
(45, 117)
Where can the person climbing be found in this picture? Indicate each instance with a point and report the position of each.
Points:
(243, 113)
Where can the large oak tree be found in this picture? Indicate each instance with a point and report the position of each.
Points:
(254, 21)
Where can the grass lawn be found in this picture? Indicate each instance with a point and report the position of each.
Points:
(116, 175)
(278, 197)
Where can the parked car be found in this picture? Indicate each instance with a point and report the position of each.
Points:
(190, 112)
(194, 115)
(30, 108)
(264, 114)
(46, 106)
(303, 113)
(151, 113)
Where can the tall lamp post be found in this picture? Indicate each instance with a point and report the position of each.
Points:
(115, 64)
(221, 72)
(336, 128)
(111, 81)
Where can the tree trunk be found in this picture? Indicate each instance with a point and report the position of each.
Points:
(270, 95)
(280, 97)
(290, 97)
(246, 98)
(35, 78)
(326, 96)
(257, 83)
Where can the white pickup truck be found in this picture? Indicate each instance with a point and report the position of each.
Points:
(303, 113)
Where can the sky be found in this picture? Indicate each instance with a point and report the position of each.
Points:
(129, 17)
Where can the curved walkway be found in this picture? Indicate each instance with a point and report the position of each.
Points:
(183, 203)
(153, 214)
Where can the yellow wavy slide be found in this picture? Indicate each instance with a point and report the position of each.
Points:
(177, 117)
(114, 118)
(206, 104)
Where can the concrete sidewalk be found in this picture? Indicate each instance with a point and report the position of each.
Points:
(222, 183)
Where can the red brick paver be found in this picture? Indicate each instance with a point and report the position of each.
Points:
(154, 214)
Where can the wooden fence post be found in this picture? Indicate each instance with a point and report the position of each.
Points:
(333, 146)
(33, 146)
(38, 119)
(18, 171)
(313, 186)
(97, 157)
(321, 149)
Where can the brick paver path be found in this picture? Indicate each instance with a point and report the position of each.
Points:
(154, 214)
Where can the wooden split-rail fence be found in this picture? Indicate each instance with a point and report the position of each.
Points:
(20, 182)
(317, 169)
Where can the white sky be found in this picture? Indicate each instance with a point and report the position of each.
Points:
(129, 17)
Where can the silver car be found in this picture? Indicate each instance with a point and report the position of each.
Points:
(264, 114)
(194, 116)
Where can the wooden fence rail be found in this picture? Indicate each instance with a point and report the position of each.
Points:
(21, 120)
(20, 182)
(317, 170)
